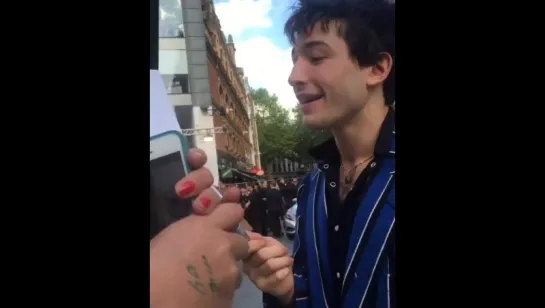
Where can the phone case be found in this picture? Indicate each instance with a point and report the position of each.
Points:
(185, 146)
(185, 149)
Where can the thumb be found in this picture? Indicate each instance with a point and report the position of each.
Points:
(227, 216)
(272, 241)
(254, 236)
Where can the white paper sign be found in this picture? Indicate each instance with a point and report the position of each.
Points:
(162, 116)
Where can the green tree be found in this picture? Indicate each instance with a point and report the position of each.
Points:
(275, 128)
(306, 138)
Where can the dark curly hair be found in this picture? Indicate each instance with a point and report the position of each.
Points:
(367, 26)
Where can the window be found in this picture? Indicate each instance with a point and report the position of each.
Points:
(170, 19)
(177, 84)
(170, 29)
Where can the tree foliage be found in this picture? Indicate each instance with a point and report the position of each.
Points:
(277, 136)
(306, 138)
(281, 136)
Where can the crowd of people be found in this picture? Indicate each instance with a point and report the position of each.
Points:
(265, 203)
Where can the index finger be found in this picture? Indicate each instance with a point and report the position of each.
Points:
(196, 158)
(255, 245)
(254, 236)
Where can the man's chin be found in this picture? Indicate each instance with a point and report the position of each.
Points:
(315, 122)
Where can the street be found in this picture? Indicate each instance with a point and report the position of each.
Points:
(248, 296)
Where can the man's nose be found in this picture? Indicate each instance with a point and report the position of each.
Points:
(297, 78)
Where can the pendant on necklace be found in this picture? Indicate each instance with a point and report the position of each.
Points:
(347, 179)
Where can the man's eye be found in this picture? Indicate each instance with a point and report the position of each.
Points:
(316, 60)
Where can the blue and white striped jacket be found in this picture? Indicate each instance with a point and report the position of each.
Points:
(368, 281)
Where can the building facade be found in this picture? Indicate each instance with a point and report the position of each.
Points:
(182, 62)
(285, 168)
(209, 93)
(254, 137)
(232, 108)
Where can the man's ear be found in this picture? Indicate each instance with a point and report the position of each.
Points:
(380, 71)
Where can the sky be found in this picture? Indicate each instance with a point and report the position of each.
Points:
(261, 47)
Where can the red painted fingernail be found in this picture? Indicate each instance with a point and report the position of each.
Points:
(186, 188)
(205, 202)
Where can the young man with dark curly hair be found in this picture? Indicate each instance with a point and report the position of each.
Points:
(343, 77)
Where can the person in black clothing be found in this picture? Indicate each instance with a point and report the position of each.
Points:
(275, 208)
(281, 183)
(290, 192)
(256, 213)
(282, 186)
(244, 196)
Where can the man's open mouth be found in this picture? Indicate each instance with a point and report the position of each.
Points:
(309, 99)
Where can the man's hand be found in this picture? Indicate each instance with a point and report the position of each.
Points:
(270, 268)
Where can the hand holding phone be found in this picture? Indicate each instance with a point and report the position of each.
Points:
(170, 167)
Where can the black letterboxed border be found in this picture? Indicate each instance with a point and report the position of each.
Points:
(440, 128)
(103, 209)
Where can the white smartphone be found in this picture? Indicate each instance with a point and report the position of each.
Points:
(168, 165)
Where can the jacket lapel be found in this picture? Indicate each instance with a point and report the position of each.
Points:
(374, 221)
(317, 244)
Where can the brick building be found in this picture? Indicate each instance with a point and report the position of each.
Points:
(232, 108)
(207, 90)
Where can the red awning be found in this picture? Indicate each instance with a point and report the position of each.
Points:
(256, 171)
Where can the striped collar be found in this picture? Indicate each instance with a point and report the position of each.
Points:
(327, 151)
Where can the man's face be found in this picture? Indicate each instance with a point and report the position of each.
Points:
(329, 85)
(243, 191)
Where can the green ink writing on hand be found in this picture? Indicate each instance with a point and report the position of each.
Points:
(208, 267)
(198, 286)
(214, 288)
(192, 271)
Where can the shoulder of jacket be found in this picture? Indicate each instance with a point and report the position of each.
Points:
(301, 188)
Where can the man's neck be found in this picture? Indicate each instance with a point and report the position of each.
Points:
(356, 139)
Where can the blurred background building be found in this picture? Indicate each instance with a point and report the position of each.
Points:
(232, 107)
(210, 94)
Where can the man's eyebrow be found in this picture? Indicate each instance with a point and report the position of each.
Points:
(312, 44)
(309, 45)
